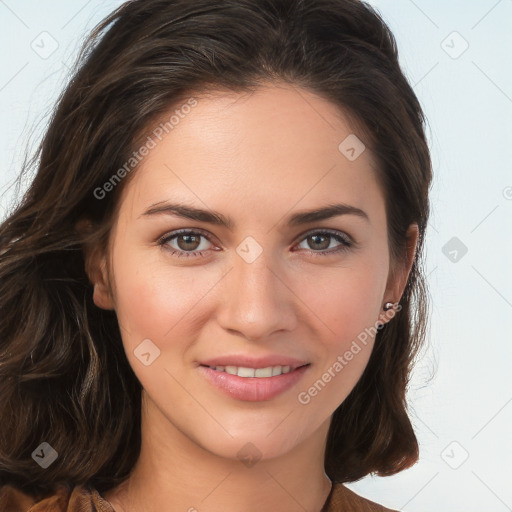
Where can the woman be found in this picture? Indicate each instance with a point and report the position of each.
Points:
(211, 294)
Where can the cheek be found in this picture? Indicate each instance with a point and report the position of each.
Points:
(346, 300)
(146, 301)
(348, 308)
(155, 301)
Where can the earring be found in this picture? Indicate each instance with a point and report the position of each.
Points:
(388, 305)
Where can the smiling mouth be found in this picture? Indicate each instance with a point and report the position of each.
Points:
(268, 371)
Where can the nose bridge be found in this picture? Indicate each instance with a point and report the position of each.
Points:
(256, 302)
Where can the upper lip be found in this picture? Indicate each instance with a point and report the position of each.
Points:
(254, 362)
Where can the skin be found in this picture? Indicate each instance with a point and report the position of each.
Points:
(256, 158)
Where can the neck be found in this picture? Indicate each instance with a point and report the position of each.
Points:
(173, 470)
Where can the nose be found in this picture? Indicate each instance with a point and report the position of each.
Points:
(257, 300)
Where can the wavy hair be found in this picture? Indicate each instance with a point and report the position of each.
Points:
(64, 376)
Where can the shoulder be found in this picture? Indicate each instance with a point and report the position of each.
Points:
(344, 499)
(65, 499)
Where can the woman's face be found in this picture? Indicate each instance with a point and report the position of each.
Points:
(268, 283)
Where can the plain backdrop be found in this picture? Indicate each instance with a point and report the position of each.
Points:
(457, 56)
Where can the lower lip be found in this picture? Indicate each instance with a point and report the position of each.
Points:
(253, 389)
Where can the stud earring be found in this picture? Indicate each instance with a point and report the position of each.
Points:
(388, 305)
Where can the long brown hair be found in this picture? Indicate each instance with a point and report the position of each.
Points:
(64, 376)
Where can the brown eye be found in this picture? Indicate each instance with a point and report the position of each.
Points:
(190, 242)
(320, 241)
(185, 243)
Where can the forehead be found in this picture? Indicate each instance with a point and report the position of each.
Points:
(277, 145)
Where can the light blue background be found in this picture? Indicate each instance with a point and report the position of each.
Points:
(462, 387)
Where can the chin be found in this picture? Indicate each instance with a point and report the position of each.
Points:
(250, 449)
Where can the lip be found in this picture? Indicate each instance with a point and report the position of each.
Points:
(255, 362)
(253, 389)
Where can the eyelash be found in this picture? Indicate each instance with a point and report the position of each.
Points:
(346, 242)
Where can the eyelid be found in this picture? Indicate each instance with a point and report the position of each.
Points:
(330, 231)
(184, 231)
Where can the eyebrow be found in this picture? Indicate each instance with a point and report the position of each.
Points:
(216, 218)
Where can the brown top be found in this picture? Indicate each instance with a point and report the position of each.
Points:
(86, 499)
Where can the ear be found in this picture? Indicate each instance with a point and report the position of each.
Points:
(397, 279)
(96, 267)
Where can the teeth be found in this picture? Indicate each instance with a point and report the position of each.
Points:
(246, 372)
(263, 372)
(241, 371)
